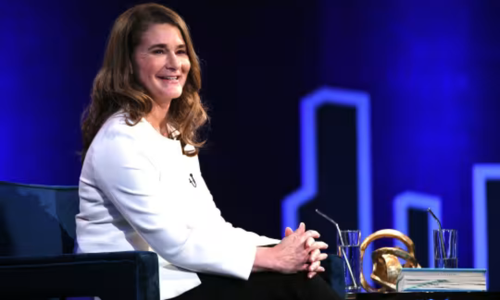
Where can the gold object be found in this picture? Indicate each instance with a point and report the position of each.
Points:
(386, 265)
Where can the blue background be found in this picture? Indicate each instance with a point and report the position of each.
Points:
(431, 69)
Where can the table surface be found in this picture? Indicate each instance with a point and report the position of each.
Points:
(427, 295)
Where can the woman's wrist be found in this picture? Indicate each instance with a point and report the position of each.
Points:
(265, 259)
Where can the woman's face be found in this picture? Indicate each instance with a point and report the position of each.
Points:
(161, 62)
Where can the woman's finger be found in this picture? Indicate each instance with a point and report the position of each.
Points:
(301, 229)
(314, 255)
(318, 270)
(309, 234)
(322, 256)
(319, 257)
(309, 242)
(318, 245)
(315, 265)
(313, 234)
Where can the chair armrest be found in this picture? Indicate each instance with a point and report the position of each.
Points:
(116, 275)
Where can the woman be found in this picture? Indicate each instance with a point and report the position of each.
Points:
(141, 187)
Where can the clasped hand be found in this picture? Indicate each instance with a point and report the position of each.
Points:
(299, 251)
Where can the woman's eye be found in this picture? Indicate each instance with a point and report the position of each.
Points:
(159, 51)
(181, 52)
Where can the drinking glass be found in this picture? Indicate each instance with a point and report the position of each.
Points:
(349, 251)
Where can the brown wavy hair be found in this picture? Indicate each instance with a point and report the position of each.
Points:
(115, 88)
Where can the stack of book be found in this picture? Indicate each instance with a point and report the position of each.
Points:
(445, 280)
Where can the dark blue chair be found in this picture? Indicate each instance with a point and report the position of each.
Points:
(37, 236)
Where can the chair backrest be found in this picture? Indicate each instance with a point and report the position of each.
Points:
(37, 220)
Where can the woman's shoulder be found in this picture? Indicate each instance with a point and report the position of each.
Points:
(119, 133)
(120, 126)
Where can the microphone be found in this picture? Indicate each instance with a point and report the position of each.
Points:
(342, 243)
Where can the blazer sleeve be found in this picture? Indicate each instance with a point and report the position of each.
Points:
(128, 178)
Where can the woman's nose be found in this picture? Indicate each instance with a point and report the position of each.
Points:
(173, 62)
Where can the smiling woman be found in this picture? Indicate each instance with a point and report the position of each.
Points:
(154, 42)
(141, 186)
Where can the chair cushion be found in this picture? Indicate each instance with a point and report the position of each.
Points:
(115, 275)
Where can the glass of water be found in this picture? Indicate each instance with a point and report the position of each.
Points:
(445, 249)
(348, 249)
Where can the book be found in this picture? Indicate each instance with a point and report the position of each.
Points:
(445, 280)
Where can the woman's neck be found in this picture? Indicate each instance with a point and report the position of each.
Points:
(157, 117)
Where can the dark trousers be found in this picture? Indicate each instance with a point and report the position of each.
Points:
(261, 286)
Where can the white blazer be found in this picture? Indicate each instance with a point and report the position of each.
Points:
(137, 190)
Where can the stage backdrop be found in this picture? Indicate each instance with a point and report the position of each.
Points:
(370, 111)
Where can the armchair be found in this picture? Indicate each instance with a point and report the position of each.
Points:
(37, 236)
